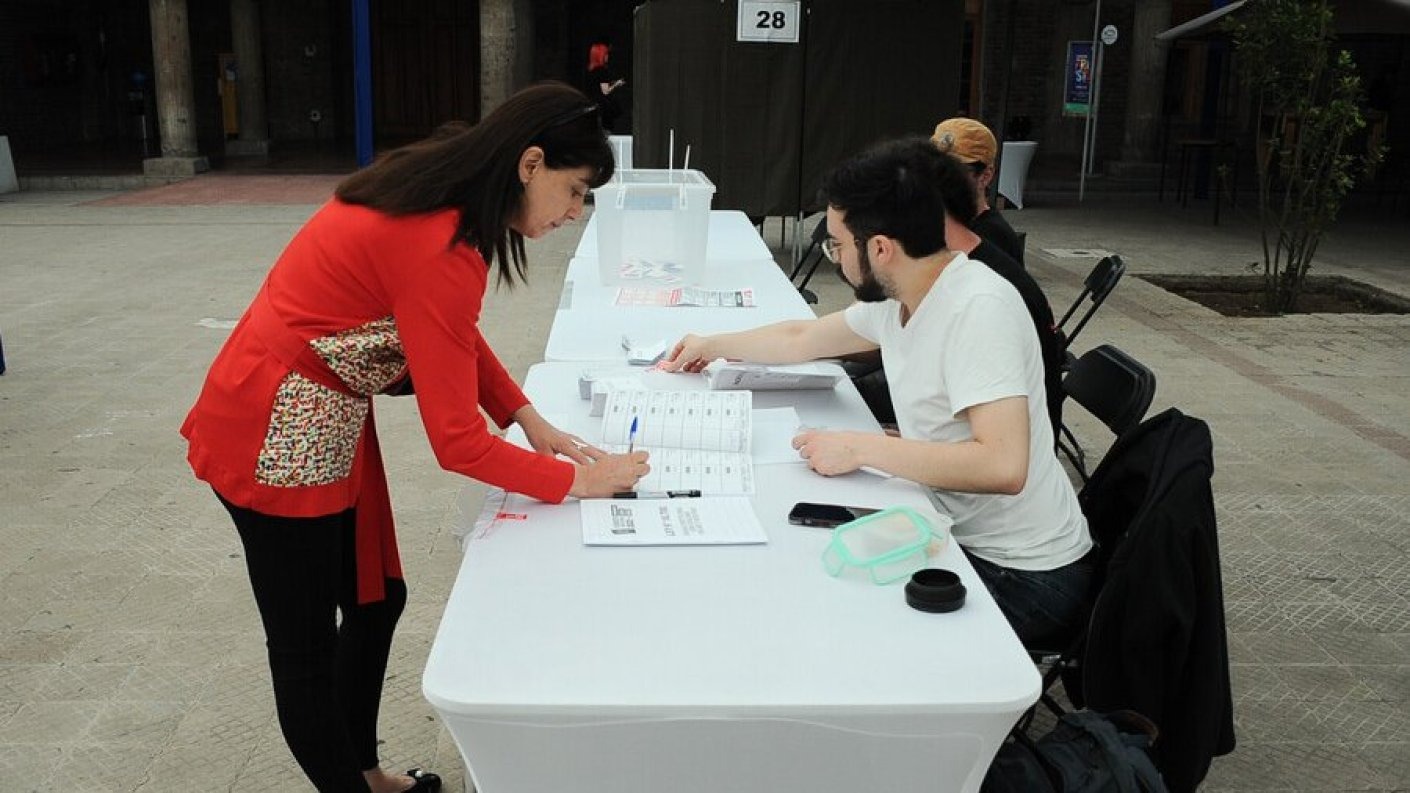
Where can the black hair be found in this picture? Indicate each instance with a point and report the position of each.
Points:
(892, 189)
(475, 169)
(957, 189)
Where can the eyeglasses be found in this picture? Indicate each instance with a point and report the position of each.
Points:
(832, 248)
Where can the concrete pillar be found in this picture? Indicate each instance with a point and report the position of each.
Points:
(176, 104)
(1146, 90)
(506, 50)
(249, 81)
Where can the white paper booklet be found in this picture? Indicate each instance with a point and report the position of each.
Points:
(725, 375)
(698, 440)
(685, 296)
(671, 521)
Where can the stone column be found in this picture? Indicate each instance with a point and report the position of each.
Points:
(506, 50)
(1145, 92)
(249, 80)
(176, 104)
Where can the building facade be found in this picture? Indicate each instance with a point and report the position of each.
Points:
(104, 84)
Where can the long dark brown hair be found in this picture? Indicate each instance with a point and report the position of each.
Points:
(476, 169)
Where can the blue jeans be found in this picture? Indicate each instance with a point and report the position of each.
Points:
(1045, 607)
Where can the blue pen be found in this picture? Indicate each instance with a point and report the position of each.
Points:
(631, 437)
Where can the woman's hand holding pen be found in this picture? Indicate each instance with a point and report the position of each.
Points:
(608, 473)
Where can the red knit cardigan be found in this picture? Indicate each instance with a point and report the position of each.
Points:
(359, 301)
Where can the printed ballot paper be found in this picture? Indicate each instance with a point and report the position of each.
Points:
(698, 440)
(685, 296)
(671, 521)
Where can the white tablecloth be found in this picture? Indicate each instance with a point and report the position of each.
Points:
(588, 327)
(704, 669)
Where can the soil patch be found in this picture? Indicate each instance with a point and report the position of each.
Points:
(1242, 295)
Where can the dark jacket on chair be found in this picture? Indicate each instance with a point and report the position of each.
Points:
(1157, 642)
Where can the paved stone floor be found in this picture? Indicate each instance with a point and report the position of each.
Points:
(130, 652)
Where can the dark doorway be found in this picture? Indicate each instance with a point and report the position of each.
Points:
(425, 66)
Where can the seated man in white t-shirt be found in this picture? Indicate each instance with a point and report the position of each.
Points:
(966, 379)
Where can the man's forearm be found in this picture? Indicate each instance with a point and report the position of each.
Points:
(776, 343)
(964, 467)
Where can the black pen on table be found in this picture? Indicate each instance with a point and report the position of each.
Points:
(657, 494)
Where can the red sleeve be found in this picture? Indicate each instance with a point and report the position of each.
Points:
(500, 396)
(436, 302)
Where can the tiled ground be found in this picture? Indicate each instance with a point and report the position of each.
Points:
(130, 654)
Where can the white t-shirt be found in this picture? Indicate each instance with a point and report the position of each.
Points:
(971, 341)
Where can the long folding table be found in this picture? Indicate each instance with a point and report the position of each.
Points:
(742, 668)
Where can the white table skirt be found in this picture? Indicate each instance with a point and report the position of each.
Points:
(703, 669)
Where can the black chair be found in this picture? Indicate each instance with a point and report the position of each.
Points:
(814, 254)
(1096, 286)
(1110, 385)
(1118, 390)
(1156, 640)
(1120, 492)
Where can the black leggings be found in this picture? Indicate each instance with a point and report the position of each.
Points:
(327, 672)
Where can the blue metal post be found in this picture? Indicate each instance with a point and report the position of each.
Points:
(362, 79)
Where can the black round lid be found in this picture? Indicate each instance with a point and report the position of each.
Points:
(934, 590)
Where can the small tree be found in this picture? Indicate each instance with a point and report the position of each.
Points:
(1308, 106)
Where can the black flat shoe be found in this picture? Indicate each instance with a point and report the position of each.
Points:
(426, 782)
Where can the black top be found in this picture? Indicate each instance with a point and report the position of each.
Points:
(1049, 344)
(990, 225)
(1157, 641)
(610, 103)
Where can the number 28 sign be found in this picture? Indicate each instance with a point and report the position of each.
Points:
(769, 21)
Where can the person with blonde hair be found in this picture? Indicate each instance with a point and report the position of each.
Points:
(973, 144)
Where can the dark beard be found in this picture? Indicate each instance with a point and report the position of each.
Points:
(869, 290)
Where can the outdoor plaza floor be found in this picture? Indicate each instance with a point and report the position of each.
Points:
(131, 656)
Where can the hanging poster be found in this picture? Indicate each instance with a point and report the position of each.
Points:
(1077, 87)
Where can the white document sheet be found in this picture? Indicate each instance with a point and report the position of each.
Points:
(671, 521)
(774, 430)
(685, 296)
(698, 440)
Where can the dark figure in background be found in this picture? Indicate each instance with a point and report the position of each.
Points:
(604, 84)
(973, 144)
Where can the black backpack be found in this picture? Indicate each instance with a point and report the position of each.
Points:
(1087, 752)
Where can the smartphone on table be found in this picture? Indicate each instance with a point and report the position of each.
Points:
(827, 516)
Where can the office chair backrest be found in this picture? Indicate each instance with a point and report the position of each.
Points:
(1112, 386)
(1097, 285)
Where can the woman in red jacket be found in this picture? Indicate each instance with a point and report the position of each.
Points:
(380, 292)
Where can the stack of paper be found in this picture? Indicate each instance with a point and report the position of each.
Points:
(698, 440)
(724, 375)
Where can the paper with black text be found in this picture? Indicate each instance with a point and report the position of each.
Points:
(698, 440)
(671, 521)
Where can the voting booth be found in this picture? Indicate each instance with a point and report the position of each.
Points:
(770, 95)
